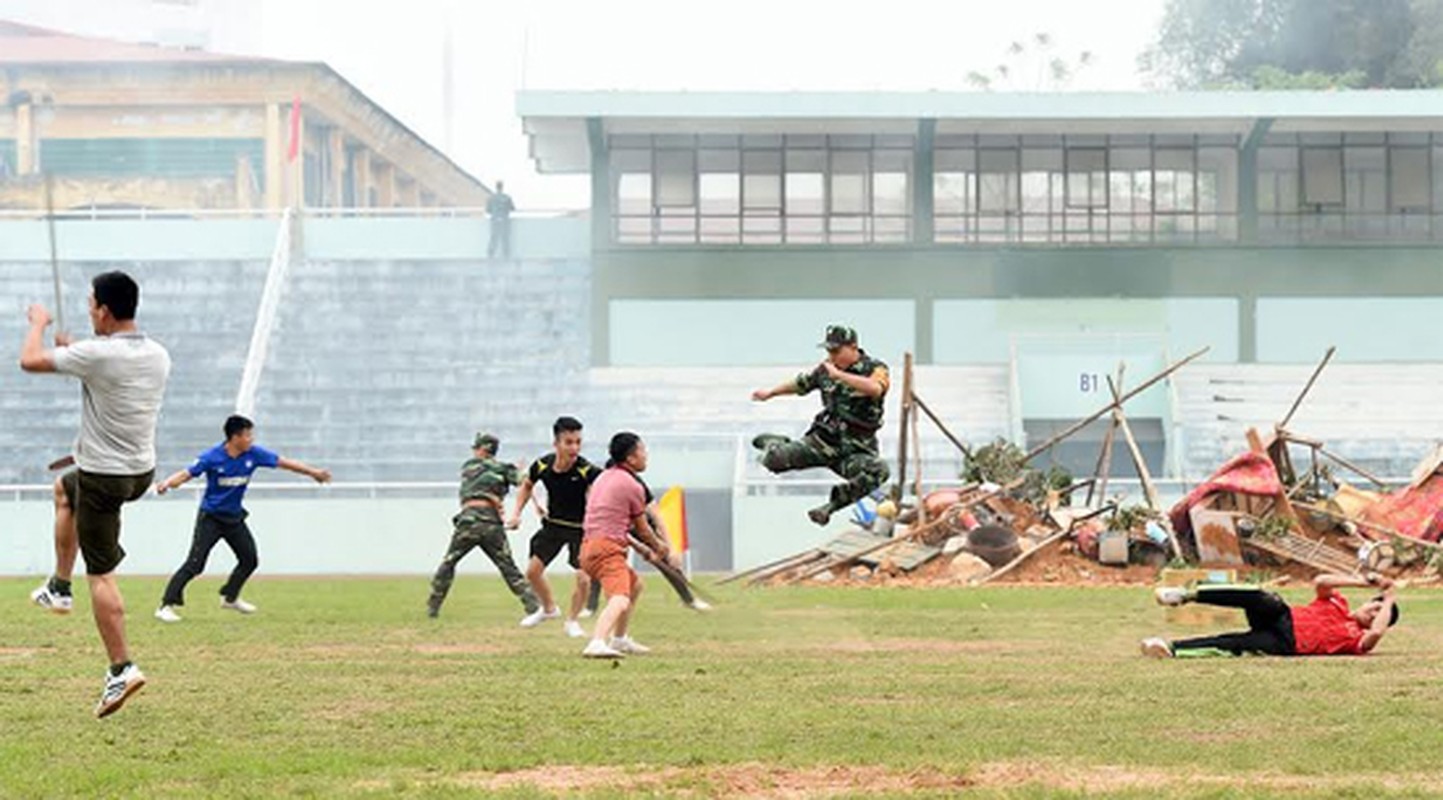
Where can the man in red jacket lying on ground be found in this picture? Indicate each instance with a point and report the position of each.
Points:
(1324, 627)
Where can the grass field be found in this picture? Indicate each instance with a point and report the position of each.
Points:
(342, 687)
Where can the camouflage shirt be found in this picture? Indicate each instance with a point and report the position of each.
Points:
(487, 479)
(845, 411)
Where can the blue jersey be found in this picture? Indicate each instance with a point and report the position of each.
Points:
(226, 478)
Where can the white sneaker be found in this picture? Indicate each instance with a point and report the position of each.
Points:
(1170, 595)
(1155, 647)
(237, 605)
(599, 649)
(539, 616)
(698, 604)
(585, 612)
(166, 614)
(629, 646)
(573, 629)
(118, 689)
(50, 601)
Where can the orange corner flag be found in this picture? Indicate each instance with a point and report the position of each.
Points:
(672, 509)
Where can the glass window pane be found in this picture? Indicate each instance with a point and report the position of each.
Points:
(1086, 178)
(1410, 171)
(762, 180)
(998, 181)
(676, 178)
(1322, 176)
(849, 182)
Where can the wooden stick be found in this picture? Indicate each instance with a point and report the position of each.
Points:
(54, 256)
(817, 556)
(1354, 467)
(917, 471)
(902, 437)
(1362, 523)
(1077, 426)
(917, 401)
(1328, 356)
(1103, 469)
(1016, 562)
(1149, 489)
(764, 567)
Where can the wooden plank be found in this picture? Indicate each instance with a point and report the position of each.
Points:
(1149, 489)
(917, 402)
(906, 412)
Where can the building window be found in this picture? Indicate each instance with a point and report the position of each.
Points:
(761, 189)
(1349, 186)
(1084, 189)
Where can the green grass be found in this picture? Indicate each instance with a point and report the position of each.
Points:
(342, 687)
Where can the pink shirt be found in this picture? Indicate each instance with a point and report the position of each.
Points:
(613, 502)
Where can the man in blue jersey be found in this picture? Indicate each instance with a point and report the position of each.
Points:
(227, 468)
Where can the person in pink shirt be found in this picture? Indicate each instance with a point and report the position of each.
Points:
(615, 506)
(1325, 627)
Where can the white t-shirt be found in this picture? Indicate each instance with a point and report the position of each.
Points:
(122, 380)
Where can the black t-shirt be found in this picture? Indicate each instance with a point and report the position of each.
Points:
(565, 491)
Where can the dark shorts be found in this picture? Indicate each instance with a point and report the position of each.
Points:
(548, 541)
(95, 500)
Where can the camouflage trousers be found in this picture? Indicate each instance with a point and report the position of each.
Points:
(480, 527)
(852, 458)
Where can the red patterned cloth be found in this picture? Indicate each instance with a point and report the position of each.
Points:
(1415, 511)
(1249, 473)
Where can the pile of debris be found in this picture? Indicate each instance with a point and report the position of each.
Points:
(1010, 521)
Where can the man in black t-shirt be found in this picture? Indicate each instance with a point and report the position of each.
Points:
(566, 476)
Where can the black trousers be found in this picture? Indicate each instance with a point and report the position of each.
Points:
(209, 530)
(1270, 622)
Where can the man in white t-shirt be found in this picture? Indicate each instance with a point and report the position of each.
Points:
(122, 376)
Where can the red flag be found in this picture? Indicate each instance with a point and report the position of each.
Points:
(295, 146)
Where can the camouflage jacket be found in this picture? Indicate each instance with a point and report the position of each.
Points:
(845, 411)
(487, 479)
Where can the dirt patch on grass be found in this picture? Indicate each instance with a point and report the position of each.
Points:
(19, 653)
(914, 646)
(738, 780)
(460, 649)
(758, 781)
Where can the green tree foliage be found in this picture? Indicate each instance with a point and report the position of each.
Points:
(1298, 44)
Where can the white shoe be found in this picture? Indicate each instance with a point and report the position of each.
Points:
(599, 649)
(585, 612)
(1170, 595)
(237, 605)
(629, 646)
(118, 689)
(1155, 647)
(166, 614)
(539, 616)
(50, 601)
(574, 630)
(698, 604)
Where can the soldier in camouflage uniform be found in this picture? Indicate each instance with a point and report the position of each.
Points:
(843, 437)
(484, 483)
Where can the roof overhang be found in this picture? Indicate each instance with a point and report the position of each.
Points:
(556, 121)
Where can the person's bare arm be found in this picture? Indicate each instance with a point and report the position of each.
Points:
(33, 355)
(175, 481)
(763, 395)
(649, 538)
(523, 496)
(314, 473)
(864, 384)
(1380, 623)
(1328, 583)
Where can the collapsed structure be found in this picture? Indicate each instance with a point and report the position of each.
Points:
(1257, 512)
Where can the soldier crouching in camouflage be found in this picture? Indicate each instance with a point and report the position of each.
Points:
(843, 437)
(484, 483)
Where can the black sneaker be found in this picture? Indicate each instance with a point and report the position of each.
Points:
(433, 611)
(820, 515)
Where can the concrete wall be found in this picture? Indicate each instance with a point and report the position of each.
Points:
(1238, 283)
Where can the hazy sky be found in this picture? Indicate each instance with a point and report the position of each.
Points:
(393, 50)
